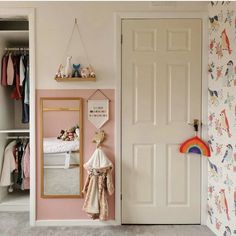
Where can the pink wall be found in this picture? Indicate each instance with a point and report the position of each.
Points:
(49, 209)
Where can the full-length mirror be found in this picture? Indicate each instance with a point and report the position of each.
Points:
(61, 147)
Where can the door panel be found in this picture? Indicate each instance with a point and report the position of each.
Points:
(161, 94)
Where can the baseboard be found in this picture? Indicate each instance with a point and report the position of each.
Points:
(75, 223)
(10, 208)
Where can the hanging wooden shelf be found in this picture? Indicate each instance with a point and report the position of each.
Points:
(74, 79)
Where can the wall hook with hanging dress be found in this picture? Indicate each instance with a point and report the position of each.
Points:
(98, 185)
(195, 144)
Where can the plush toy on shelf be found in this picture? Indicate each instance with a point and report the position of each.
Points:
(91, 72)
(84, 72)
(60, 72)
(76, 70)
(68, 67)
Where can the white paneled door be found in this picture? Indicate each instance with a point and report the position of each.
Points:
(161, 95)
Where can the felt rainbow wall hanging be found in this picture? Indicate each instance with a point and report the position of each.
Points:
(195, 145)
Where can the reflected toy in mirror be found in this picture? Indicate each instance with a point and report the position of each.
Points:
(69, 134)
(76, 69)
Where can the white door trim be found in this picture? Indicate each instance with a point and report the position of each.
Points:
(30, 14)
(157, 15)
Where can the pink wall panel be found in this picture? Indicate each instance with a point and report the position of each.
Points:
(53, 209)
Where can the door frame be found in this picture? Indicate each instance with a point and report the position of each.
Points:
(118, 17)
(30, 14)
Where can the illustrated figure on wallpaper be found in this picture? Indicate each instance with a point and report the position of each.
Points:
(211, 118)
(225, 41)
(210, 213)
(228, 182)
(214, 23)
(68, 67)
(224, 122)
(219, 73)
(210, 145)
(227, 231)
(229, 74)
(218, 148)
(213, 97)
(218, 127)
(211, 45)
(217, 203)
(211, 189)
(229, 17)
(224, 203)
(218, 224)
(213, 169)
(228, 156)
(210, 69)
(219, 50)
(229, 100)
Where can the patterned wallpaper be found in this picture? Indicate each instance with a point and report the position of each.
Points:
(222, 118)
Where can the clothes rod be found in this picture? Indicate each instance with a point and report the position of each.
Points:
(17, 49)
(18, 137)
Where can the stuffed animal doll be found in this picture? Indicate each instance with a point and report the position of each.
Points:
(68, 68)
(76, 69)
(69, 134)
(84, 71)
(91, 72)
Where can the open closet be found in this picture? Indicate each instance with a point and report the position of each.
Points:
(15, 114)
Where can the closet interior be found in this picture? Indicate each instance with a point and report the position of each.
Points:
(14, 116)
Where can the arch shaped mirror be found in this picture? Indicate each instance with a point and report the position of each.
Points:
(61, 147)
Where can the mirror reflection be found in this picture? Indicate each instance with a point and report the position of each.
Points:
(61, 147)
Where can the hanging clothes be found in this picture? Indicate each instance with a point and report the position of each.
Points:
(15, 170)
(25, 91)
(9, 165)
(26, 167)
(22, 70)
(98, 185)
(4, 70)
(15, 73)
(16, 93)
(10, 70)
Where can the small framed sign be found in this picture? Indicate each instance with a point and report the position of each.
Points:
(98, 112)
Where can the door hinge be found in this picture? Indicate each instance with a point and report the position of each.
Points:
(121, 197)
(121, 39)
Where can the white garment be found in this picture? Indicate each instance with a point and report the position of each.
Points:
(9, 165)
(98, 161)
(22, 71)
